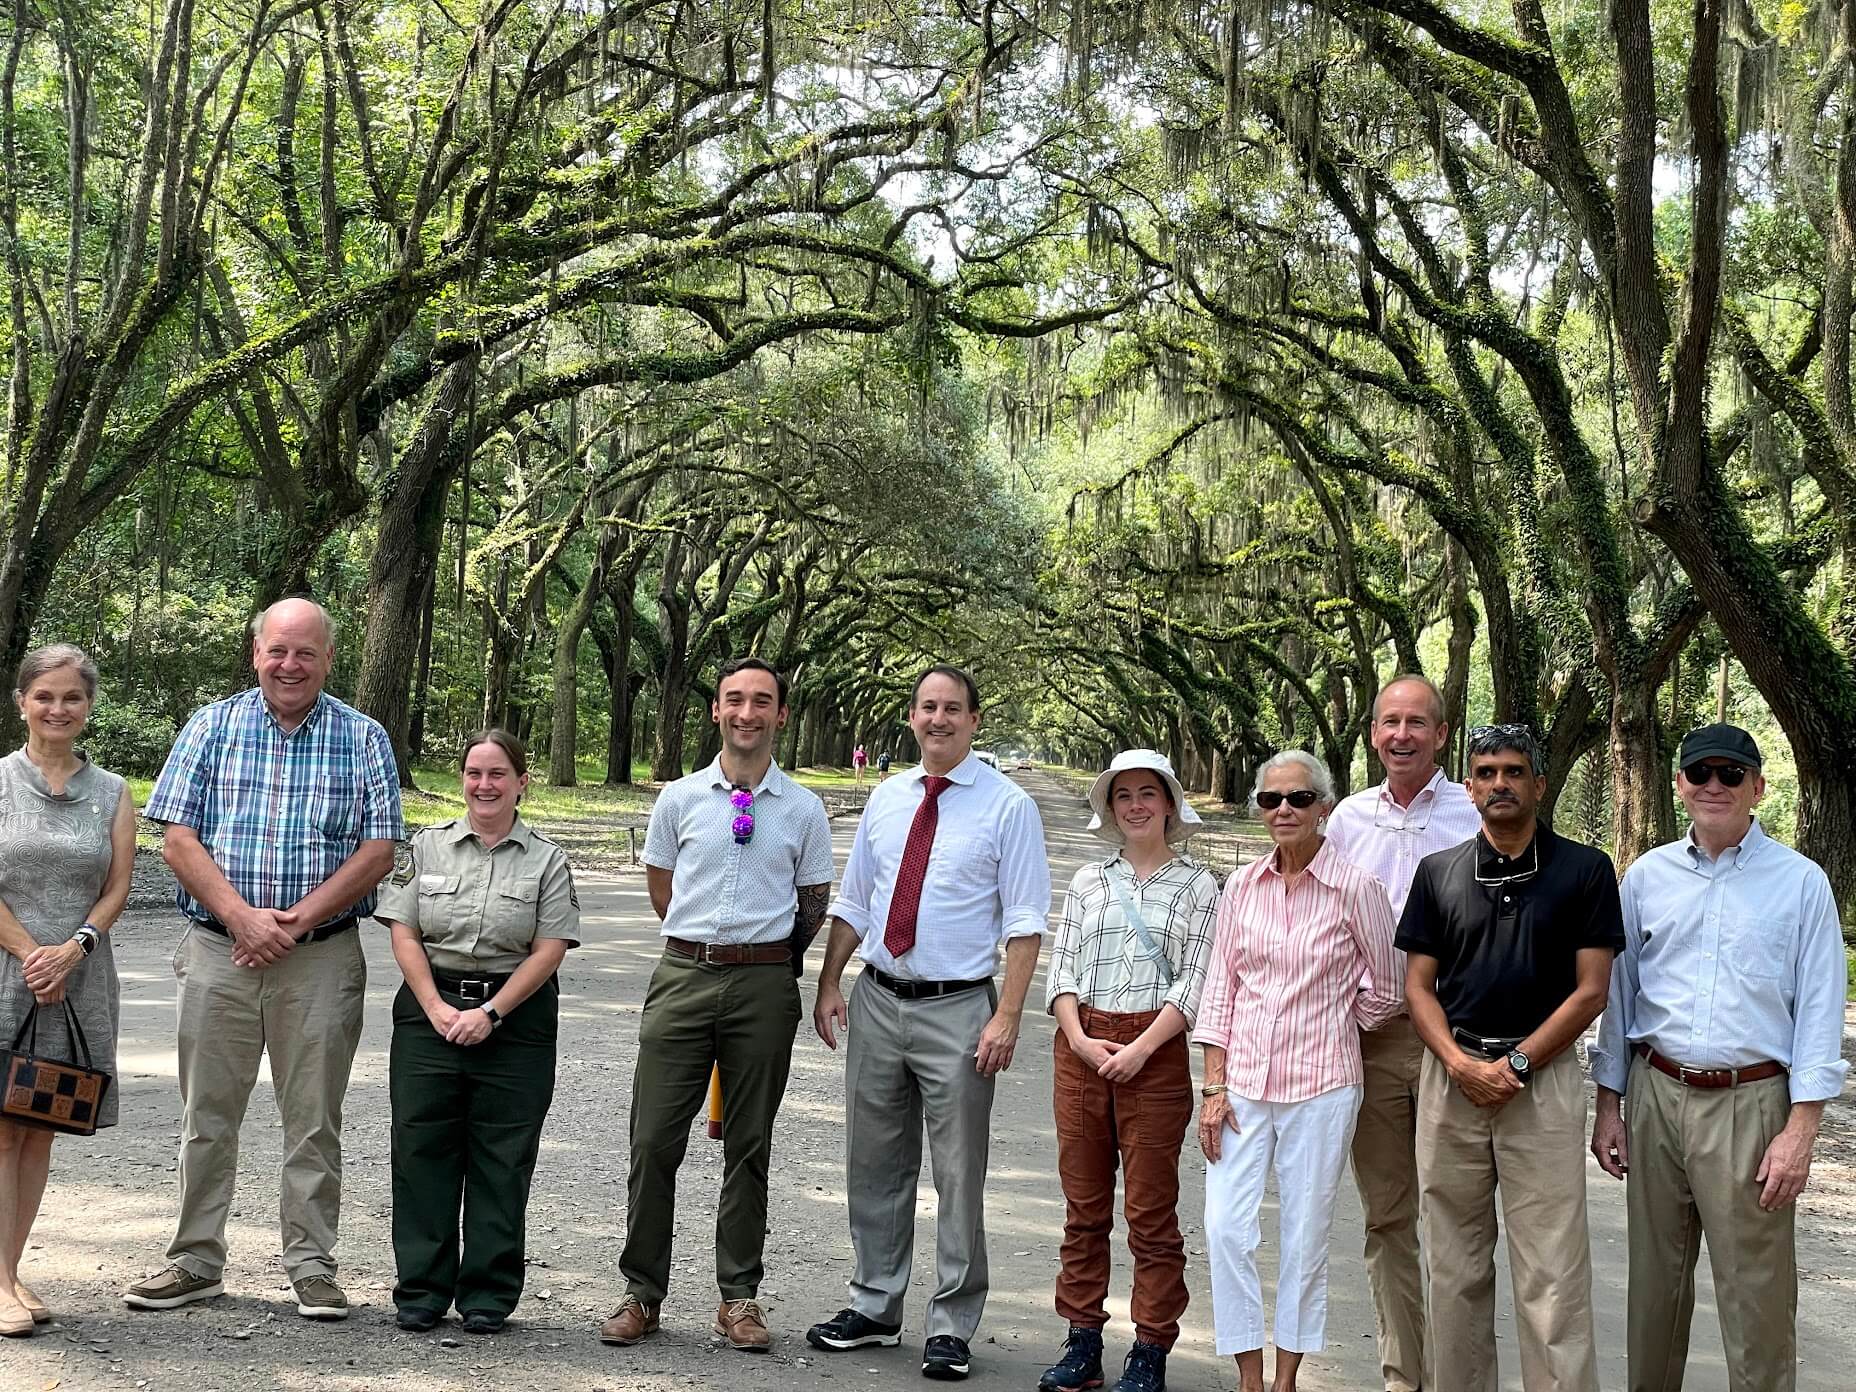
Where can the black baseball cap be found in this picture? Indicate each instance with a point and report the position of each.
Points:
(1719, 742)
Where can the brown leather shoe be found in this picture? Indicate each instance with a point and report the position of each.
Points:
(632, 1321)
(742, 1323)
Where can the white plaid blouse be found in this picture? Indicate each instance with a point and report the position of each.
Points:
(1098, 958)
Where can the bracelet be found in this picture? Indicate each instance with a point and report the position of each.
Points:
(87, 938)
(1213, 1090)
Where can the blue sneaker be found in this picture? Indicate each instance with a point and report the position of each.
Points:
(1081, 1364)
(1145, 1370)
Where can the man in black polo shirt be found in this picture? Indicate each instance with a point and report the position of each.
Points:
(1510, 938)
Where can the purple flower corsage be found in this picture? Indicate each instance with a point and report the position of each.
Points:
(743, 825)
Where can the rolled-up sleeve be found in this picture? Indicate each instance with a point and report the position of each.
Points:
(1061, 979)
(1610, 1052)
(853, 901)
(1369, 920)
(179, 794)
(1195, 955)
(1214, 1021)
(1818, 1068)
(1024, 872)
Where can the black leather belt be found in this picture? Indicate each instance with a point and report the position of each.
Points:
(470, 988)
(322, 934)
(1489, 1048)
(922, 990)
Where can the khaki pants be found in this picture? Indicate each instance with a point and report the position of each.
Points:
(305, 1012)
(1533, 1150)
(1385, 1170)
(1693, 1155)
(1139, 1126)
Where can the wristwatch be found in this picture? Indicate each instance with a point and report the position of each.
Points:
(495, 1015)
(87, 938)
(1518, 1062)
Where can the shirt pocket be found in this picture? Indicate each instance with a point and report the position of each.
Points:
(513, 915)
(335, 807)
(1758, 948)
(439, 898)
(964, 855)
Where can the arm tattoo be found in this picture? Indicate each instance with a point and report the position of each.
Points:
(813, 901)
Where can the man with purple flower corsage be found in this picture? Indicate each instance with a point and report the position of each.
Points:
(738, 863)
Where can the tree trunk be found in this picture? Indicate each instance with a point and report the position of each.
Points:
(402, 571)
(564, 741)
(1462, 641)
(1642, 796)
(422, 682)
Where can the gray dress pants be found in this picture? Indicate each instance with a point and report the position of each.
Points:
(910, 1060)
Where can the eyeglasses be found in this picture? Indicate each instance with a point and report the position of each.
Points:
(1301, 797)
(1731, 775)
(1532, 869)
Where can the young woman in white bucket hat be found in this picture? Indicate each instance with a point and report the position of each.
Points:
(1125, 974)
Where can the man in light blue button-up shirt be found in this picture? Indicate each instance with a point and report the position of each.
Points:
(1721, 1044)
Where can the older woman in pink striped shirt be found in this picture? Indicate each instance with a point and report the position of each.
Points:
(1303, 960)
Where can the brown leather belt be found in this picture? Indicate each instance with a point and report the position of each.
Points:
(1709, 1077)
(732, 955)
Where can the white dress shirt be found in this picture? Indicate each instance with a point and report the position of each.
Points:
(1728, 963)
(1375, 833)
(988, 877)
(720, 890)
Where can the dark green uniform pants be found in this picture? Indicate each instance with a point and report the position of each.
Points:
(466, 1126)
(696, 1016)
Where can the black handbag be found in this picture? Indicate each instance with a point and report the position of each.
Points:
(51, 1093)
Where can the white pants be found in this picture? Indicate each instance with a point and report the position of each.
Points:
(1306, 1143)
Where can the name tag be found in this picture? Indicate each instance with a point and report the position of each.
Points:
(432, 884)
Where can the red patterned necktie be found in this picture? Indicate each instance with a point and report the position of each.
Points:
(906, 902)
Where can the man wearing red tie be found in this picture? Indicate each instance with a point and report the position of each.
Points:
(948, 862)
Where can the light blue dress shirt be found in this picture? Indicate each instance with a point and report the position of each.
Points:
(1728, 963)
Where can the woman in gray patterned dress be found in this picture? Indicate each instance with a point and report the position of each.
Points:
(67, 846)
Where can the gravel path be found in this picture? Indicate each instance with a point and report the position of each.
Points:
(110, 1210)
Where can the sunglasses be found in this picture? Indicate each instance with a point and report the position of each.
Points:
(1301, 797)
(1731, 775)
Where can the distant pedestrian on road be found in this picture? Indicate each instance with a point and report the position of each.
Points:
(482, 910)
(1387, 829)
(948, 863)
(67, 848)
(859, 761)
(1722, 1043)
(882, 765)
(1302, 962)
(1126, 970)
(738, 862)
(1509, 939)
(282, 807)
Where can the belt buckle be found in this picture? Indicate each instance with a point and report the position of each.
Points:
(1684, 1072)
(473, 989)
(705, 952)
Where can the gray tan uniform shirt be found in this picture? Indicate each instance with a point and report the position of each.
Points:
(479, 910)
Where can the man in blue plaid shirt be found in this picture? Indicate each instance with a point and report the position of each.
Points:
(282, 807)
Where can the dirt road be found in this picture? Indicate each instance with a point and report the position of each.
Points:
(110, 1210)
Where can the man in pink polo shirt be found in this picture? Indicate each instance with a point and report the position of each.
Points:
(1388, 829)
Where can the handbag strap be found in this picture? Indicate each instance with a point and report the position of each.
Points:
(31, 1024)
(1131, 910)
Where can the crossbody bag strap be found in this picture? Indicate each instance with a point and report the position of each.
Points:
(1131, 911)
